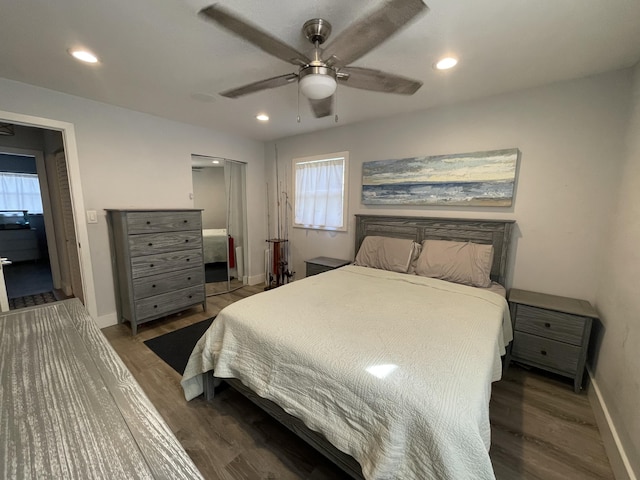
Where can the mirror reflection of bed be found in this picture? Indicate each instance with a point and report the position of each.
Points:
(218, 189)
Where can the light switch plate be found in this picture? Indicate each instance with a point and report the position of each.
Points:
(92, 216)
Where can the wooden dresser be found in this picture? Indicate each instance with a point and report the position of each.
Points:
(551, 332)
(158, 262)
(71, 409)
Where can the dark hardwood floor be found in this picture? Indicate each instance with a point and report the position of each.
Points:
(540, 428)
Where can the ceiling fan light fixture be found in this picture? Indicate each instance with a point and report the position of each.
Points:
(263, 117)
(317, 83)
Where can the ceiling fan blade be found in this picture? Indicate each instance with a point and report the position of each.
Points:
(378, 81)
(260, 85)
(369, 32)
(323, 107)
(253, 34)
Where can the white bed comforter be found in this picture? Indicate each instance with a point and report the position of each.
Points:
(393, 369)
(214, 244)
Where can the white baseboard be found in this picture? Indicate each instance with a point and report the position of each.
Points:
(107, 320)
(255, 279)
(620, 465)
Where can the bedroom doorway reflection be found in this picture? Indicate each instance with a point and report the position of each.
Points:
(219, 190)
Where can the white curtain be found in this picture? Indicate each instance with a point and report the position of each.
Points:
(319, 191)
(20, 191)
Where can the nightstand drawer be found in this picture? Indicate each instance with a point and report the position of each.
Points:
(559, 326)
(545, 352)
(313, 269)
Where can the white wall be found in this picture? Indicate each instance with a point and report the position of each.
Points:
(570, 136)
(133, 160)
(209, 194)
(617, 365)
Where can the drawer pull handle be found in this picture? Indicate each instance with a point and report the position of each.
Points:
(150, 244)
(185, 221)
(188, 259)
(547, 325)
(188, 278)
(155, 306)
(190, 296)
(543, 352)
(148, 223)
(151, 265)
(153, 286)
(187, 240)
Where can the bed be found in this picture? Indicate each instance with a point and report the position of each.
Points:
(215, 244)
(388, 373)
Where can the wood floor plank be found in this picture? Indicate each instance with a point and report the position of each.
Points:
(541, 429)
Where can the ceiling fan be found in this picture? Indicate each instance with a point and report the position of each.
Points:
(320, 71)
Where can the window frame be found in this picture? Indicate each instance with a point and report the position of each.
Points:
(345, 190)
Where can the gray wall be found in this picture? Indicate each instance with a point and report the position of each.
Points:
(617, 366)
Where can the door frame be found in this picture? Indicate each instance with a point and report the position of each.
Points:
(77, 200)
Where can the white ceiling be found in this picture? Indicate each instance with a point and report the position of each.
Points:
(159, 57)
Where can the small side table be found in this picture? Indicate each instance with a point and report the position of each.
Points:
(551, 332)
(324, 264)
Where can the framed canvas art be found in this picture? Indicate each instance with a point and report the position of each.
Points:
(478, 179)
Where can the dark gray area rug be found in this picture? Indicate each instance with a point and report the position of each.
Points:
(31, 300)
(175, 347)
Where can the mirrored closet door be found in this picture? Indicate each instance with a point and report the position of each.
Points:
(219, 190)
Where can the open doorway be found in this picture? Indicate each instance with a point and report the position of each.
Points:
(37, 228)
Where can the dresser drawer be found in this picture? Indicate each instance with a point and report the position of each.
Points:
(151, 243)
(169, 302)
(166, 282)
(549, 353)
(164, 262)
(559, 326)
(150, 222)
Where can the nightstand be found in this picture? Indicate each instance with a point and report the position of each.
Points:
(324, 264)
(551, 333)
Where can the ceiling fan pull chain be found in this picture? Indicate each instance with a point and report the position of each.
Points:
(335, 105)
(298, 102)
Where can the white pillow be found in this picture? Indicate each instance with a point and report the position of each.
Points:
(386, 253)
(460, 262)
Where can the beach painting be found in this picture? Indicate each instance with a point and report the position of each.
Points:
(479, 179)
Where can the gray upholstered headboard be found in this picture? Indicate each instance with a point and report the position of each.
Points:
(495, 232)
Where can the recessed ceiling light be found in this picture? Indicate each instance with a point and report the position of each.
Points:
(263, 117)
(446, 63)
(215, 161)
(83, 55)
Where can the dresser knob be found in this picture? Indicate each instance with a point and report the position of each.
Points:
(150, 244)
(153, 286)
(188, 278)
(155, 306)
(547, 325)
(185, 221)
(187, 240)
(543, 352)
(188, 259)
(151, 265)
(148, 223)
(190, 296)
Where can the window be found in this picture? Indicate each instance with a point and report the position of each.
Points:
(20, 191)
(320, 191)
